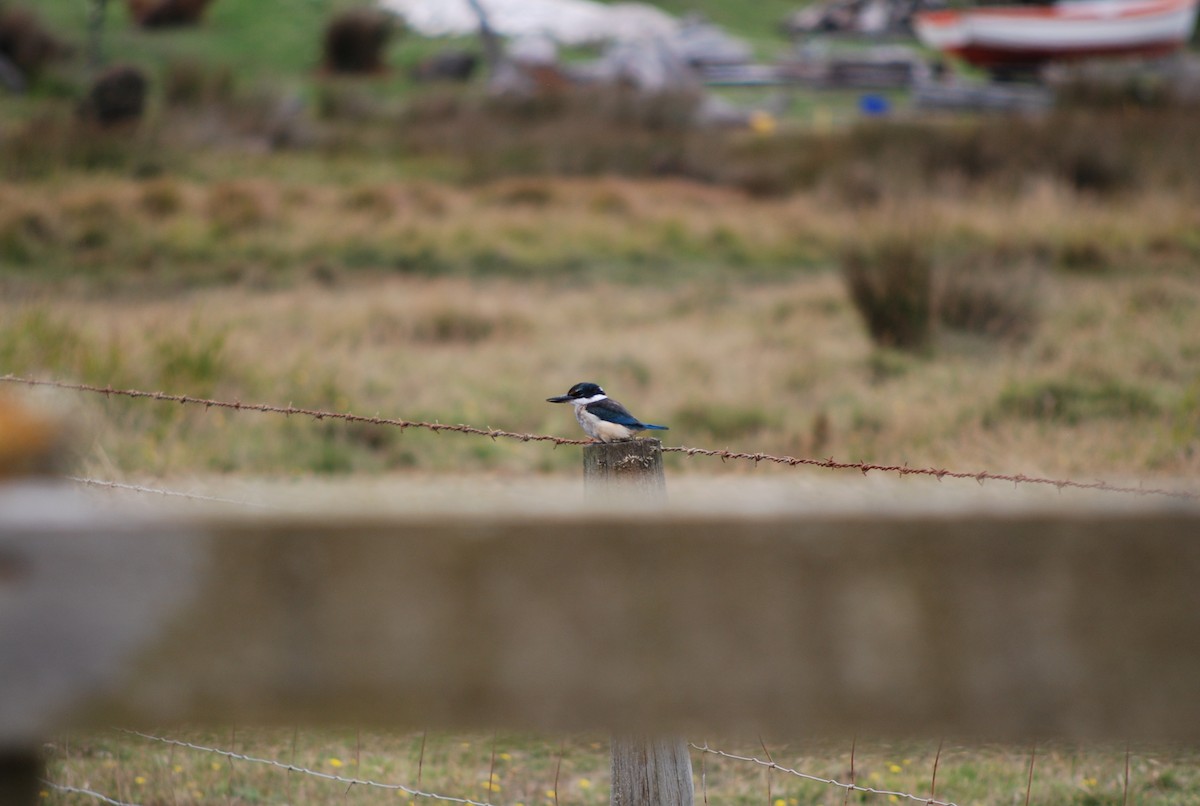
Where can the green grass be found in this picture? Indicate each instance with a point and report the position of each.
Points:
(508, 769)
(279, 40)
(263, 38)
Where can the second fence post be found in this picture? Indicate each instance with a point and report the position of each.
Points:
(646, 771)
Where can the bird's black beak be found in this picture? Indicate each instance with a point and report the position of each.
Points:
(559, 399)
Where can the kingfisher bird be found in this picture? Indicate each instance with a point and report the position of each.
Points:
(602, 418)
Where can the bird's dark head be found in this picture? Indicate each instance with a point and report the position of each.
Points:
(580, 391)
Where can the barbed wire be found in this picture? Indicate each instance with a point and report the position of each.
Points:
(496, 433)
(76, 790)
(772, 765)
(137, 488)
(705, 748)
(289, 410)
(938, 473)
(327, 776)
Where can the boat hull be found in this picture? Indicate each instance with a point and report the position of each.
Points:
(1015, 35)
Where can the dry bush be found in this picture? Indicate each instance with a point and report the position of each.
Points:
(976, 294)
(584, 130)
(117, 96)
(373, 200)
(237, 206)
(890, 279)
(26, 43)
(453, 325)
(27, 233)
(167, 13)
(355, 40)
(161, 198)
(187, 83)
(521, 192)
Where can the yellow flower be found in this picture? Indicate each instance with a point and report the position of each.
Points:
(139, 779)
(506, 756)
(216, 765)
(762, 122)
(894, 768)
(335, 762)
(1089, 781)
(585, 783)
(779, 802)
(177, 768)
(549, 793)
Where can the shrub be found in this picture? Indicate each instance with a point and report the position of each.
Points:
(355, 40)
(161, 198)
(234, 207)
(721, 421)
(890, 280)
(190, 83)
(1072, 401)
(117, 96)
(26, 43)
(458, 326)
(167, 13)
(974, 295)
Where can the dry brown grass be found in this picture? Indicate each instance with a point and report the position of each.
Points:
(783, 367)
(183, 232)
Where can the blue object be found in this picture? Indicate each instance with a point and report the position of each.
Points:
(874, 106)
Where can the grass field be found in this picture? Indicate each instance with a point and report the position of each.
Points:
(524, 769)
(380, 255)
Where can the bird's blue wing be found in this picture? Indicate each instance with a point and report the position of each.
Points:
(611, 411)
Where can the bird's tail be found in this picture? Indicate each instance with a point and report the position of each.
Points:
(650, 427)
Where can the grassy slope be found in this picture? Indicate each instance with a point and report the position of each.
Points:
(279, 38)
(274, 38)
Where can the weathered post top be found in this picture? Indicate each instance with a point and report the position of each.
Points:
(630, 471)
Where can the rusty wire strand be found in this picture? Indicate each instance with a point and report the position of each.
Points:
(232, 756)
(494, 433)
(138, 488)
(867, 790)
(77, 790)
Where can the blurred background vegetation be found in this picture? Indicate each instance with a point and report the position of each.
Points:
(1010, 291)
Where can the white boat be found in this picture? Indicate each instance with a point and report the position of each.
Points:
(1009, 36)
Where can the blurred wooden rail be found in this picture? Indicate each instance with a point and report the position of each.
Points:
(1074, 624)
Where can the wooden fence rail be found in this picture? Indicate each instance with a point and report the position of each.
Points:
(1001, 624)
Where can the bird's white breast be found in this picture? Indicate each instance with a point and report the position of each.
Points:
(599, 429)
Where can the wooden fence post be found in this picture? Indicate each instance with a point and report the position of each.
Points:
(20, 776)
(30, 445)
(646, 771)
